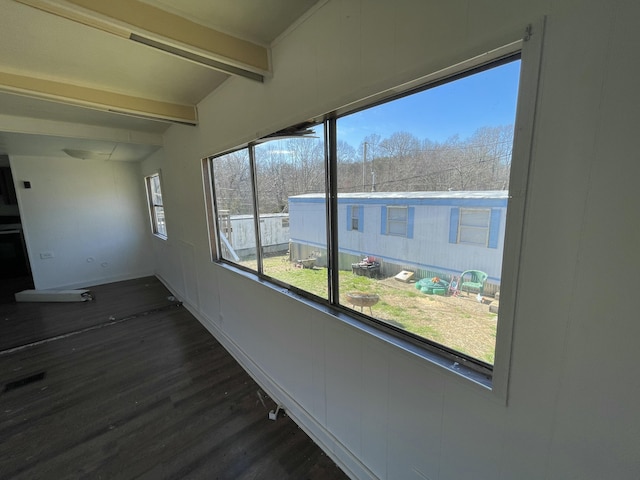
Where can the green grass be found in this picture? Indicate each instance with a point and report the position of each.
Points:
(315, 281)
(307, 279)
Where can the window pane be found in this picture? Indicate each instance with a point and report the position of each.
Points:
(432, 173)
(156, 211)
(156, 193)
(397, 214)
(397, 221)
(235, 212)
(397, 228)
(160, 224)
(474, 226)
(473, 235)
(291, 192)
(474, 218)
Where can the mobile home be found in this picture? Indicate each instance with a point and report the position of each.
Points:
(237, 233)
(430, 233)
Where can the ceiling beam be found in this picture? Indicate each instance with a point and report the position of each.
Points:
(98, 99)
(165, 31)
(56, 128)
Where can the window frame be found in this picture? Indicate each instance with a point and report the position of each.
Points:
(486, 228)
(355, 219)
(404, 222)
(492, 378)
(154, 207)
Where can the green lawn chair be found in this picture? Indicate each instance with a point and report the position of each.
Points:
(473, 280)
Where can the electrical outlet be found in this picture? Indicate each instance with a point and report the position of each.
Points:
(45, 255)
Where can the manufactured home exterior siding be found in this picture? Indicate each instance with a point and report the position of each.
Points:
(429, 240)
(307, 222)
(274, 236)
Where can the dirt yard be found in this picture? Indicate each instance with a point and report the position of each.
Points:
(459, 322)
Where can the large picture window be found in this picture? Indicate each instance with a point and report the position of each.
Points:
(430, 172)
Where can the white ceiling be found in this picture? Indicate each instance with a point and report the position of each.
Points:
(65, 63)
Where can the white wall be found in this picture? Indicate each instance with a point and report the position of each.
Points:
(383, 413)
(89, 214)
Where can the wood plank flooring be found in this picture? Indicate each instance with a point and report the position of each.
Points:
(151, 395)
(23, 323)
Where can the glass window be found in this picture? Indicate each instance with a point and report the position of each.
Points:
(397, 221)
(436, 169)
(474, 226)
(290, 180)
(156, 207)
(429, 170)
(289, 173)
(355, 217)
(235, 208)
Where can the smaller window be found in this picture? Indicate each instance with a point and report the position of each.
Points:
(156, 207)
(355, 218)
(397, 221)
(474, 226)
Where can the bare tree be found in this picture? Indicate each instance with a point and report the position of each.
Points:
(233, 182)
(307, 155)
(401, 162)
(399, 153)
(272, 175)
(288, 167)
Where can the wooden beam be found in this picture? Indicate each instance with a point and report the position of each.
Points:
(166, 31)
(98, 99)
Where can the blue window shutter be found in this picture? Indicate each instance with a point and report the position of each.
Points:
(361, 218)
(494, 228)
(411, 211)
(454, 220)
(349, 213)
(383, 222)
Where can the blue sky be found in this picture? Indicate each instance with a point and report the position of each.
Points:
(459, 107)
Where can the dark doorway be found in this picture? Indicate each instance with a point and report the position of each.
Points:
(15, 273)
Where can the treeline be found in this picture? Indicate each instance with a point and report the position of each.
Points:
(400, 162)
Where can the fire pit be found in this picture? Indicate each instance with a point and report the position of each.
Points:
(361, 299)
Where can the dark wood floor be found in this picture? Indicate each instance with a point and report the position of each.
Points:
(23, 323)
(130, 385)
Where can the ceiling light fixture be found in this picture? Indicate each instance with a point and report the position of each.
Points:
(86, 154)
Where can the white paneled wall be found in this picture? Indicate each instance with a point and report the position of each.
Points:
(380, 412)
(91, 216)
